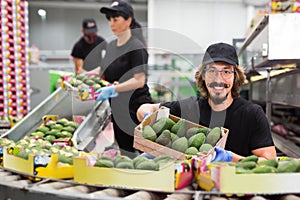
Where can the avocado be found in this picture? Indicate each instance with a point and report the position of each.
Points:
(120, 158)
(181, 144)
(246, 165)
(39, 134)
(191, 151)
(270, 162)
(149, 133)
(43, 129)
(148, 165)
(191, 131)
(287, 166)
(162, 124)
(205, 147)
(179, 128)
(249, 158)
(125, 165)
(138, 160)
(164, 138)
(263, 169)
(197, 140)
(213, 136)
(173, 137)
(104, 163)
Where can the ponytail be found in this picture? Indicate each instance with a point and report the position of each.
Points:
(136, 30)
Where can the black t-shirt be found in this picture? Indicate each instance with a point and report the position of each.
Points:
(247, 122)
(90, 53)
(120, 64)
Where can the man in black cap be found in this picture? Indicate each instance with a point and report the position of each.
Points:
(219, 79)
(84, 58)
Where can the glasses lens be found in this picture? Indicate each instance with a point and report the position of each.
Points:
(212, 73)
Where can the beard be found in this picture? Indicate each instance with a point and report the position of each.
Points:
(218, 99)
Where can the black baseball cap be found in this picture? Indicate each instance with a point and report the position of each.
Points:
(89, 25)
(221, 52)
(118, 6)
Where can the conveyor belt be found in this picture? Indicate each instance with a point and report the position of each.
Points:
(16, 186)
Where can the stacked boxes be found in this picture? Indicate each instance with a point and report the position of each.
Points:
(14, 73)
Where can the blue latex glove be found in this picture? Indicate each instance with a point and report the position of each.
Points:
(146, 115)
(147, 155)
(222, 155)
(106, 92)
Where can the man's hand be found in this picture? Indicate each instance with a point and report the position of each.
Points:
(106, 92)
(146, 109)
(222, 155)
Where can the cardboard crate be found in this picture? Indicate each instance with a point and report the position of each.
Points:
(227, 181)
(83, 92)
(156, 149)
(162, 180)
(1, 156)
(45, 166)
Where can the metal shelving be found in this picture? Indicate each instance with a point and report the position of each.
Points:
(269, 48)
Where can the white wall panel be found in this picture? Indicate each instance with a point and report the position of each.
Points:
(201, 21)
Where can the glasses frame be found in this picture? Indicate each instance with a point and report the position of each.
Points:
(216, 71)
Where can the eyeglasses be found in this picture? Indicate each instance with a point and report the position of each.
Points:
(225, 73)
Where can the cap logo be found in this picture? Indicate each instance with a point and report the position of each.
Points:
(90, 24)
(115, 3)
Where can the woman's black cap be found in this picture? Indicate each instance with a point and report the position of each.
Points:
(118, 6)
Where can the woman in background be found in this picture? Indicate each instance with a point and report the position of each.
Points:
(125, 65)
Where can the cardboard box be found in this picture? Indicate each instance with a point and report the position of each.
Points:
(43, 166)
(1, 156)
(156, 149)
(227, 181)
(83, 92)
(162, 180)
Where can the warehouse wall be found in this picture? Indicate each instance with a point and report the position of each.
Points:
(61, 29)
(201, 21)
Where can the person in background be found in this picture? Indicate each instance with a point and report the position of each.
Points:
(126, 66)
(219, 79)
(84, 46)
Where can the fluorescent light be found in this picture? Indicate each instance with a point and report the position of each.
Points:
(42, 12)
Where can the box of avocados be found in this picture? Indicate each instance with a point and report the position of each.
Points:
(160, 174)
(251, 176)
(4, 142)
(84, 86)
(164, 134)
(38, 165)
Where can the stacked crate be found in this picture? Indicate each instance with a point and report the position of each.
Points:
(14, 72)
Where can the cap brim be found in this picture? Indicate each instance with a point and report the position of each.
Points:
(106, 10)
(218, 59)
(91, 30)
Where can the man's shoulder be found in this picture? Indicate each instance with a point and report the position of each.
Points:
(244, 104)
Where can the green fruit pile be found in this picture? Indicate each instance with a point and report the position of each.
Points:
(139, 162)
(37, 147)
(251, 164)
(88, 81)
(56, 130)
(180, 138)
(4, 142)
